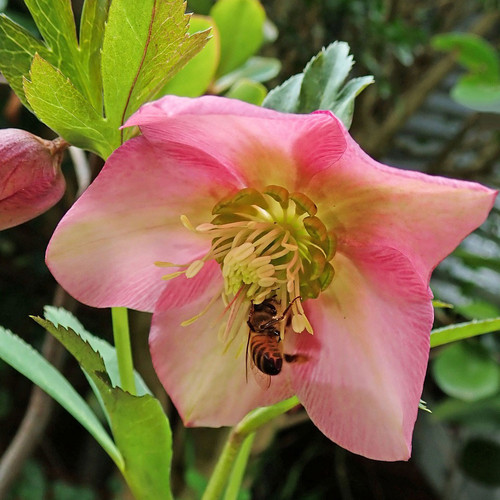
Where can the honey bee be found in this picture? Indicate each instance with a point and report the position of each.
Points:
(264, 341)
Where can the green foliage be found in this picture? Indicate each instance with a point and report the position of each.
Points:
(137, 422)
(64, 81)
(319, 86)
(66, 110)
(479, 89)
(22, 357)
(240, 24)
(153, 36)
(197, 75)
(248, 91)
(258, 69)
(460, 331)
(466, 371)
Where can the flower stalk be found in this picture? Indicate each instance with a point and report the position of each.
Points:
(233, 459)
(121, 335)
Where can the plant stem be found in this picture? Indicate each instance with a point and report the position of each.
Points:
(225, 465)
(238, 472)
(121, 337)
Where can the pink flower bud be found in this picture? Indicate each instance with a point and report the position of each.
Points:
(31, 180)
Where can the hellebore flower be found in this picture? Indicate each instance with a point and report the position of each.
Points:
(30, 175)
(248, 204)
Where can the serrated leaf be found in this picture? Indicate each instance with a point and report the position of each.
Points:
(343, 105)
(139, 425)
(248, 91)
(56, 23)
(153, 35)
(323, 76)
(92, 25)
(34, 366)
(466, 371)
(59, 316)
(66, 110)
(320, 86)
(258, 69)
(197, 75)
(17, 49)
(460, 331)
(240, 24)
(285, 97)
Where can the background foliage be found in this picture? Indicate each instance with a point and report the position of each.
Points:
(409, 118)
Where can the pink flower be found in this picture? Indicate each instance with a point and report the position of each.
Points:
(251, 204)
(30, 176)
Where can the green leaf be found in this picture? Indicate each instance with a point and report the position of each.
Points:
(62, 107)
(56, 23)
(59, 316)
(466, 371)
(286, 96)
(460, 331)
(92, 24)
(17, 49)
(248, 91)
(475, 53)
(138, 423)
(258, 69)
(476, 93)
(478, 414)
(241, 25)
(32, 365)
(480, 460)
(321, 86)
(438, 304)
(153, 36)
(197, 75)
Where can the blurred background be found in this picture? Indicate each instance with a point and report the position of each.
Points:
(406, 119)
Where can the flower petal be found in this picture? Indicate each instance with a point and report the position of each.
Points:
(105, 248)
(423, 216)
(368, 354)
(259, 145)
(204, 377)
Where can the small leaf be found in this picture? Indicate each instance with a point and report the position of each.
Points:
(481, 414)
(480, 460)
(17, 49)
(476, 93)
(248, 91)
(66, 110)
(438, 304)
(240, 24)
(138, 423)
(32, 365)
(466, 371)
(197, 75)
(153, 36)
(460, 331)
(258, 69)
(320, 86)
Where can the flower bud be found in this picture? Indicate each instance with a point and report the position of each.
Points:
(31, 180)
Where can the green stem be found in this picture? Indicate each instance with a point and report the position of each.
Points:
(121, 337)
(238, 472)
(255, 419)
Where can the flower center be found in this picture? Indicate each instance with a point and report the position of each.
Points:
(268, 244)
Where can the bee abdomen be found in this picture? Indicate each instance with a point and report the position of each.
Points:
(267, 358)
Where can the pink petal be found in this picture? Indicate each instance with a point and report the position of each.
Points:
(425, 217)
(204, 377)
(368, 354)
(30, 176)
(105, 248)
(259, 145)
